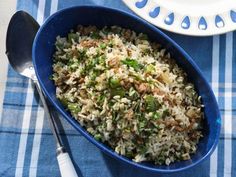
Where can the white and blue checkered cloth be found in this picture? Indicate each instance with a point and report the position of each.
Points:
(27, 146)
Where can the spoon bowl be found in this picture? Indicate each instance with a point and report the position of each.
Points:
(20, 36)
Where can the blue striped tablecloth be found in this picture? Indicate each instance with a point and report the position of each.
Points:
(27, 147)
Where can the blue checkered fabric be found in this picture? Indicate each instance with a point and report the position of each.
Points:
(27, 146)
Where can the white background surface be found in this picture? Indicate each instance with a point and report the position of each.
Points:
(7, 9)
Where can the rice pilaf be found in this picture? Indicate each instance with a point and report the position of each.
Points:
(128, 93)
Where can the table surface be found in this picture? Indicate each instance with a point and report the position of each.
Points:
(27, 146)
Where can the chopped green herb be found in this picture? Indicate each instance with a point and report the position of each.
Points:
(150, 68)
(151, 103)
(143, 149)
(156, 115)
(59, 45)
(98, 137)
(73, 36)
(132, 63)
(165, 113)
(64, 101)
(137, 107)
(103, 46)
(102, 59)
(81, 54)
(93, 76)
(114, 82)
(101, 98)
(118, 91)
(95, 35)
(129, 154)
(92, 83)
(74, 108)
(91, 64)
(142, 125)
(133, 94)
(74, 66)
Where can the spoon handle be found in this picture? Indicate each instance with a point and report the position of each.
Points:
(64, 161)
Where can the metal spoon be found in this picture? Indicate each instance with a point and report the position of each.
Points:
(20, 36)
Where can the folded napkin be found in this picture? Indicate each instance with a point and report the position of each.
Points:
(27, 147)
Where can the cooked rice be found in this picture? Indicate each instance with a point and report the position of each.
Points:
(128, 93)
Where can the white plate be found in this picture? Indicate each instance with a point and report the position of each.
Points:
(189, 17)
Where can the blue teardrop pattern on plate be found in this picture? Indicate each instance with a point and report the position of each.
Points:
(140, 4)
(185, 23)
(202, 24)
(155, 12)
(169, 19)
(233, 16)
(219, 22)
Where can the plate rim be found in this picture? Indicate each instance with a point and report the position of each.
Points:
(140, 8)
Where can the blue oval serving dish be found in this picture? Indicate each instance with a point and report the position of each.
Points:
(64, 20)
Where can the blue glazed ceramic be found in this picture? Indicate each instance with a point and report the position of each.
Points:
(60, 24)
